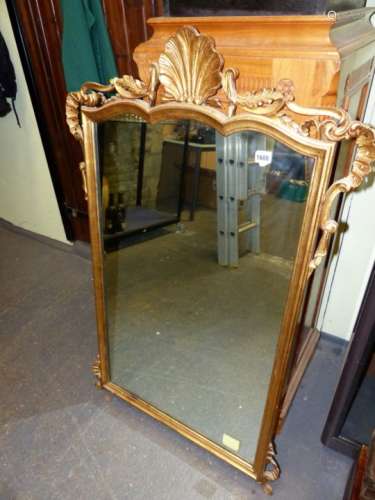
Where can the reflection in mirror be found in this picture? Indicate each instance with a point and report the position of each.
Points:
(200, 233)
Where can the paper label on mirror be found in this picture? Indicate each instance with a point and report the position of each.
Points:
(263, 157)
(231, 442)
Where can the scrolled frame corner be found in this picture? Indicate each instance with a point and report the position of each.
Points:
(362, 166)
(86, 96)
(97, 372)
(272, 470)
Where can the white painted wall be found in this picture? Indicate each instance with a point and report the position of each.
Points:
(351, 267)
(27, 198)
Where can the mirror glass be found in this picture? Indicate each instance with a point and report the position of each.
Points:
(200, 232)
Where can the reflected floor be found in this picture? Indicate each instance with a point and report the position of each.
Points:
(195, 339)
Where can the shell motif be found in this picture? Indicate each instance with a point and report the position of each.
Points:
(190, 67)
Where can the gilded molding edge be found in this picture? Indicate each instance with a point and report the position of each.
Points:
(96, 370)
(190, 70)
(82, 167)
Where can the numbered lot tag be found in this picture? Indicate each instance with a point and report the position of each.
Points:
(263, 158)
(231, 442)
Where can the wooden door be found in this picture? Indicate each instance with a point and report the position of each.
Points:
(38, 28)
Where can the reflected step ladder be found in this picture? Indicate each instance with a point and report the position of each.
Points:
(239, 188)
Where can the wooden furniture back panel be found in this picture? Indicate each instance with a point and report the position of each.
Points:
(127, 26)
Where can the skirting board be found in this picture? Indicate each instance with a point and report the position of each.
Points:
(78, 247)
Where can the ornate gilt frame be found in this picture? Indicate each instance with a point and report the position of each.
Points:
(189, 81)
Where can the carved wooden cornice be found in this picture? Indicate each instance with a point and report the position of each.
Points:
(191, 71)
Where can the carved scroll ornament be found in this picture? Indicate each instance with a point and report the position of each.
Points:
(97, 371)
(362, 166)
(190, 70)
(272, 470)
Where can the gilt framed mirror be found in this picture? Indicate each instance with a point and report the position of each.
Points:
(209, 211)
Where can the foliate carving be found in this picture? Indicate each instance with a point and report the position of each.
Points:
(97, 371)
(364, 137)
(333, 125)
(74, 101)
(190, 67)
(132, 88)
(129, 87)
(267, 101)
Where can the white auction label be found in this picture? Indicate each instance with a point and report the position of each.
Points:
(263, 158)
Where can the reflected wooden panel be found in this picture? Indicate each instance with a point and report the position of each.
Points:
(194, 305)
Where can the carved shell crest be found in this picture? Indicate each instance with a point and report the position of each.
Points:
(190, 67)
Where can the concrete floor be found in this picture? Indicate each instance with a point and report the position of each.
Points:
(60, 438)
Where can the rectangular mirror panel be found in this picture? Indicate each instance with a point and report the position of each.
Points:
(200, 234)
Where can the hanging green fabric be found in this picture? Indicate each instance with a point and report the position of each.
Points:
(86, 49)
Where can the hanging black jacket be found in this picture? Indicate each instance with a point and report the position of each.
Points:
(8, 85)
